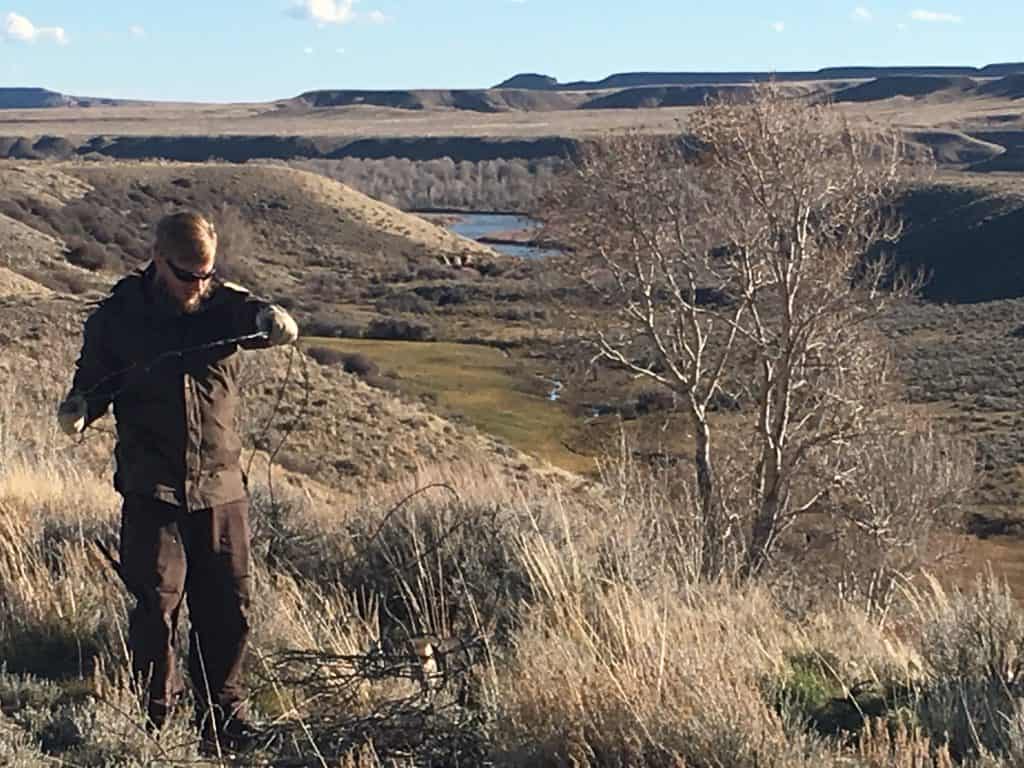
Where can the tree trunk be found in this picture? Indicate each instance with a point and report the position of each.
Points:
(710, 510)
(774, 427)
(766, 519)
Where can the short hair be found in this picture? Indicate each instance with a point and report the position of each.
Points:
(186, 234)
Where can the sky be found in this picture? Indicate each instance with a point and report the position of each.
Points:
(228, 50)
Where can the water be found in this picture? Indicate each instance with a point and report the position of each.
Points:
(474, 225)
(556, 388)
(477, 225)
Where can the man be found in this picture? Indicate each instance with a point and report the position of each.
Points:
(156, 349)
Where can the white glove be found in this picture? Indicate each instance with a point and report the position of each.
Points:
(71, 415)
(277, 324)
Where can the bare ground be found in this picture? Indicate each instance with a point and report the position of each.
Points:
(974, 110)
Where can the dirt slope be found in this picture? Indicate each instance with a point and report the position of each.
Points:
(344, 438)
(1009, 87)
(913, 86)
(40, 258)
(955, 147)
(293, 220)
(469, 100)
(1012, 159)
(282, 189)
(14, 284)
(666, 96)
(966, 234)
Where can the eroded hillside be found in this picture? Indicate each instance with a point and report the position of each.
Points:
(325, 249)
(299, 238)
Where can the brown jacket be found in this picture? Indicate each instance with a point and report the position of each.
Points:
(177, 439)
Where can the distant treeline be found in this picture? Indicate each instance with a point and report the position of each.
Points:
(488, 185)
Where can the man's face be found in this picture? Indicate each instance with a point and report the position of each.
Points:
(185, 278)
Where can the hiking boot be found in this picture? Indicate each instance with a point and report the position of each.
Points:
(234, 736)
(157, 713)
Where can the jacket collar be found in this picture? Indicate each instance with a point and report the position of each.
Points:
(137, 291)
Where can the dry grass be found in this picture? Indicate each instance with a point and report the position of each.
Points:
(481, 385)
(364, 210)
(360, 121)
(601, 648)
(13, 284)
(609, 670)
(591, 659)
(168, 119)
(53, 503)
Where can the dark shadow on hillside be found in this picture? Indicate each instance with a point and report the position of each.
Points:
(910, 85)
(240, 149)
(968, 241)
(985, 526)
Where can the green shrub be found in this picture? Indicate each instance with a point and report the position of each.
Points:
(395, 329)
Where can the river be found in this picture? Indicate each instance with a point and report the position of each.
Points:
(477, 225)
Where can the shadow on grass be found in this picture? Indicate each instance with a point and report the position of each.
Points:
(49, 651)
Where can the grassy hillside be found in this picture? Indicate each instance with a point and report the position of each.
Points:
(964, 233)
(481, 386)
(576, 631)
(403, 491)
(580, 636)
(284, 232)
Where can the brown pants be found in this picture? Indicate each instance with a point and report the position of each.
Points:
(166, 554)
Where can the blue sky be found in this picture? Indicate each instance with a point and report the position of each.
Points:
(226, 50)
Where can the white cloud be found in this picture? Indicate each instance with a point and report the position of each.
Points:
(323, 12)
(860, 13)
(922, 15)
(19, 28)
(308, 51)
(16, 27)
(137, 31)
(339, 50)
(779, 26)
(901, 27)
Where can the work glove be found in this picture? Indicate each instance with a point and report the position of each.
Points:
(277, 324)
(72, 414)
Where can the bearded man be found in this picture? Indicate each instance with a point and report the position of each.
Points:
(162, 348)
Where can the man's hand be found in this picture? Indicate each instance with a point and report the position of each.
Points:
(71, 415)
(277, 324)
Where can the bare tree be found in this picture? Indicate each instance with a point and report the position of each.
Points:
(735, 263)
(908, 488)
(641, 226)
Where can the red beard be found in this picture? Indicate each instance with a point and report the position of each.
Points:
(174, 305)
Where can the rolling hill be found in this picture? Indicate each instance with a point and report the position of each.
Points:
(640, 79)
(913, 86)
(299, 238)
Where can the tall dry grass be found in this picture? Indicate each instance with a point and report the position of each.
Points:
(594, 641)
(56, 603)
(607, 672)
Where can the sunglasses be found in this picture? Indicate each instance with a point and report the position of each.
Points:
(186, 276)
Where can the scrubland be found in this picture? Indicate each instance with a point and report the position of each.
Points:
(574, 627)
(570, 618)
